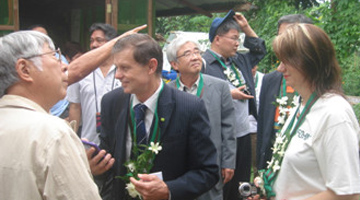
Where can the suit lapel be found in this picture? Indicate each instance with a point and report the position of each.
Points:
(207, 90)
(165, 109)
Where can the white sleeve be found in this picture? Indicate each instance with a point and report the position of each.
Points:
(73, 93)
(337, 152)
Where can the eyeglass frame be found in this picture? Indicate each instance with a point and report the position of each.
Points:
(58, 51)
(188, 54)
(231, 38)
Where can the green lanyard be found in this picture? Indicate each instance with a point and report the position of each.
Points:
(232, 67)
(200, 86)
(270, 176)
(156, 131)
(256, 79)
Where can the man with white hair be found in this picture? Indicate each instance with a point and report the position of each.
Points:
(184, 56)
(42, 158)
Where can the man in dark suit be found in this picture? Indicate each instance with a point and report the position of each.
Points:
(187, 160)
(184, 56)
(270, 90)
(223, 61)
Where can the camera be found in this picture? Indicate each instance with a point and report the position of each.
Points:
(247, 90)
(246, 189)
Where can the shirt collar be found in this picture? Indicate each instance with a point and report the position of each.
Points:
(193, 87)
(151, 101)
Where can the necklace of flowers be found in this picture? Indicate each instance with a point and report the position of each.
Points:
(285, 104)
(143, 156)
(233, 74)
(281, 143)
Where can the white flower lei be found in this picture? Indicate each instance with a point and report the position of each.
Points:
(231, 76)
(285, 105)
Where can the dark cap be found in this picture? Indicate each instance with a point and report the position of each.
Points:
(217, 22)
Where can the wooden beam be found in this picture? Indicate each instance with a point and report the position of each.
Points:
(7, 28)
(150, 24)
(108, 11)
(16, 15)
(114, 14)
(196, 8)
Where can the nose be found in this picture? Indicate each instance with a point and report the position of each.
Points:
(194, 56)
(64, 67)
(118, 74)
(93, 45)
(281, 67)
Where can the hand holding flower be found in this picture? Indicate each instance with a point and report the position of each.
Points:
(150, 187)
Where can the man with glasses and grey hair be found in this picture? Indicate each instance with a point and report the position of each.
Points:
(37, 148)
(184, 56)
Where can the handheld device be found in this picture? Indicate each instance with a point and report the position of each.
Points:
(88, 145)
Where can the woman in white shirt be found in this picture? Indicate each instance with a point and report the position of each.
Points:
(316, 156)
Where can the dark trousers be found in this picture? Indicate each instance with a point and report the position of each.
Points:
(242, 168)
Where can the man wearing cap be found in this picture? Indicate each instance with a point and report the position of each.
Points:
(223, 61)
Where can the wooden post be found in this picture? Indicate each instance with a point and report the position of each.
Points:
(150, 18)
(114, 14)
(16, 15)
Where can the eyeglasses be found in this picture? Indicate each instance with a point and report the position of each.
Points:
(57, 51)
(235, 39)
(188, 54)
(98, 40)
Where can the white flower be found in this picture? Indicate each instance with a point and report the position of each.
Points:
(279, 139)
(131, 166)
(270, 163)
(236, 83)
(282, 111)
(281, 119)
(227, 71)
(296, 101)
(281, 153)
(232, 76)
(132, 191)
(275, 149)
(276, 166)
(283, 101)
(155, 147)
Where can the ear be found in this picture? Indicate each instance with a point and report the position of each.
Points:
(24, 68)
(174, 65)
(216, 38)
(152, 65)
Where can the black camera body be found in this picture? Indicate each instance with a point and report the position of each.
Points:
(247, 90)
(248, 189)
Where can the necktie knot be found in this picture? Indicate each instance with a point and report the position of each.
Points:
(139, 111)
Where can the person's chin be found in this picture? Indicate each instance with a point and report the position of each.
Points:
(127, 90)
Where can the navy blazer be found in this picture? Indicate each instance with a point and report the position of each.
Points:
(265, 127)
(244, 62)
(188, 157)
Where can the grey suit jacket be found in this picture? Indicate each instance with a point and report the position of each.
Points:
(219, 105)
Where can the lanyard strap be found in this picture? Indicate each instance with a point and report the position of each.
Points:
(232, 67)
(199, 88)
(95, 92)
(256, 79)
(270, 175)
